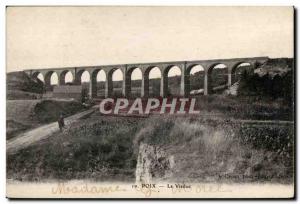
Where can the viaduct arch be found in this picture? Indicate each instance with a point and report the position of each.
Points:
(184, 66)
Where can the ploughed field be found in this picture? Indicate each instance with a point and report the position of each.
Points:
(213, 146)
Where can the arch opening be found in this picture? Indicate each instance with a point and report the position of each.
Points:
(172, 78)
(85, 83)
(99, 80)
(135, 81)
(154, 77)
(85, 77)
(69, 78)
(40, 77)
(51, 80)
(117, 82)
(196, 80)
(66, 77)
(82, 78)
(54, 79)
(101, 76)
(218, 78)
(238, 70)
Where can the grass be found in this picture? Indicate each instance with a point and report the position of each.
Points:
(21, 95)
(221, 151)
(99, 150)
(244, 107)
(49, 110)
(205, 148)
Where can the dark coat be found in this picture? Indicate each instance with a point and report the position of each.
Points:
(61, 122)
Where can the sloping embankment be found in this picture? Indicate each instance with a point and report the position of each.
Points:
(22, 115)
(189, 151)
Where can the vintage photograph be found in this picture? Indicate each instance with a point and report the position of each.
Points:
(150, 102)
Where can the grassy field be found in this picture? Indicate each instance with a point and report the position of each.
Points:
(105, 148)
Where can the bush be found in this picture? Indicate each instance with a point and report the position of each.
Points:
(267, 86)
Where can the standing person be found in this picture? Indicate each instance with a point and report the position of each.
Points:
(61, 122)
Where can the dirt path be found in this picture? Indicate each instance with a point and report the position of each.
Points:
(25, 139)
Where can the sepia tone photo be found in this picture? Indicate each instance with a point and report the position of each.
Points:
(150, 102)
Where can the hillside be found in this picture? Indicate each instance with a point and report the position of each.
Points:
(20, 86)
(22, 115)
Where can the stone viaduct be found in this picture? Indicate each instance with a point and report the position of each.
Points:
(127, 69)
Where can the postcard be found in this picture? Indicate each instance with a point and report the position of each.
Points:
(117, 102)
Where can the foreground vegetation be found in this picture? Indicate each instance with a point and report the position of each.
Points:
(90, 149)
(225, 151)
(106, 148)
(245, 107)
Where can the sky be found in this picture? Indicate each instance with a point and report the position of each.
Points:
(46, 37)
